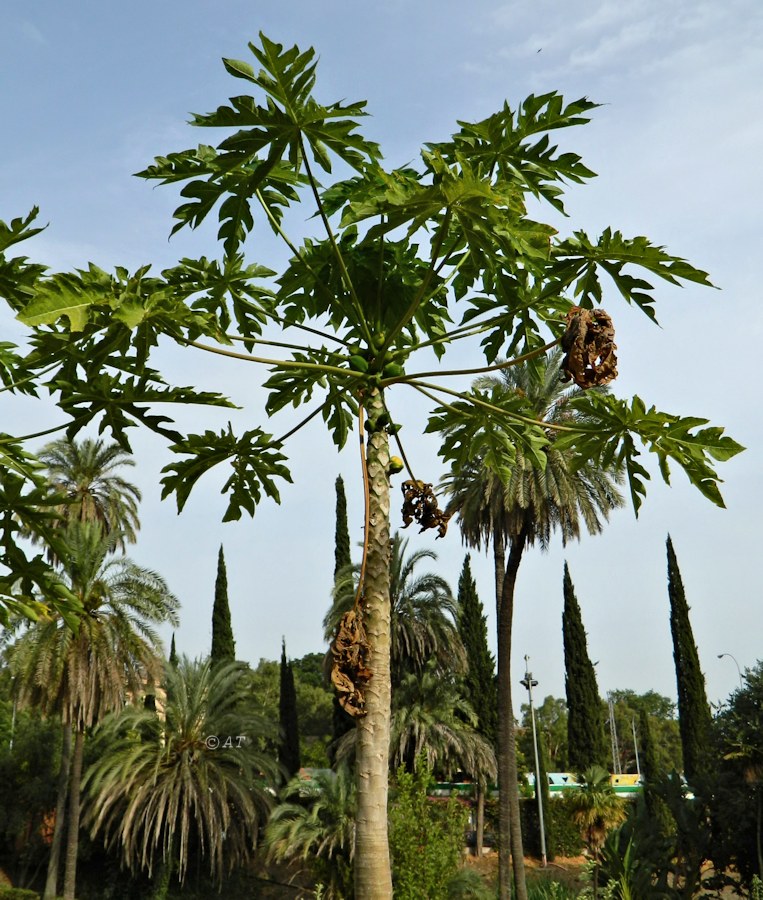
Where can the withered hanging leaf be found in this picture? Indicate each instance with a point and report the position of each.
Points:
(420, 505)
(589, 344)
(350, 672)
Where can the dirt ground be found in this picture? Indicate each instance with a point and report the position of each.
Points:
(568, 870)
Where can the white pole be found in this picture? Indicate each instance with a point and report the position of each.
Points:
(530, 684)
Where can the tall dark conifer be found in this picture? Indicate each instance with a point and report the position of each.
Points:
(694, 718)
(480, 684)
(288, 753)
(653, 774)
(587, 742)
(342, 557)
(650, 770)
(223, 645)
(173, 660)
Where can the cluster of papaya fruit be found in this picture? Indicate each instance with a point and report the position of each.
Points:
(374, 360)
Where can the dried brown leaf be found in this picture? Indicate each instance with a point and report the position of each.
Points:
(589, 344)
(420, 506)
(350, 672)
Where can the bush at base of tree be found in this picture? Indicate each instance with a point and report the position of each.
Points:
(426, 837)
(561, 830)
(12, 893)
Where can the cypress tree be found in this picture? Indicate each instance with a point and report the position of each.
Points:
(694, 718)
(288, 753)
(173, 660)
(479, 683)
(653, 775)
(586, 740)
(342, 557)
(650, 770)
(223, 645)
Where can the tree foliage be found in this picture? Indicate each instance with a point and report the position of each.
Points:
(191, 784)
(315, 823)
(634, 710)
(586, 741)
(342, 556)
(739, 792)
(479, 681)
(694, 717)
(85, 473)
(551, 722)
(223, 643)
(404, 259)
(423, 612)
(517, 508)
(426, 837)
(288, 755)
(513, 277)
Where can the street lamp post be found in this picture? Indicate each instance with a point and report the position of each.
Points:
(739, 671)
(528, 682)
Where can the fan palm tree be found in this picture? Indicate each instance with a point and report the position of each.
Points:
(82, 676)
(596, 809)
(191, 782)
(522, 506)
(85, 472)
(423, 613)
(316, 824)
(431, 718)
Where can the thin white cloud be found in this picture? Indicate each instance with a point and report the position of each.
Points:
(32, 32)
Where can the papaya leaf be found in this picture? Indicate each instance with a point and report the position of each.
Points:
(614, 424)
(19, 229)
(255, 460)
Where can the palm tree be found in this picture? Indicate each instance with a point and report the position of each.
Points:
(115, 651)
(423, 613)
(596, 809)
(191, 782)
(86, 473)
(431, 718)
(523, 506)
(316, 824)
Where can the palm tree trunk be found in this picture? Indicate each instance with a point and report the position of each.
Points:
(373, 877)
(508, 794)
(504, 844)
(72, 838)
(51, 880)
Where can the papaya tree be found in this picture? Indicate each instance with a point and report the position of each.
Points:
(397, 265)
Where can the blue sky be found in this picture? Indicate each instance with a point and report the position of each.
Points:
(92, 91)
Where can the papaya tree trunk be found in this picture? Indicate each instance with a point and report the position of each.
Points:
(54, 861)
(72, 837)
(373, 877)
(508, 794)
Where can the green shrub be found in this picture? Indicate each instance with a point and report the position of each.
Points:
(566, 835)
(467, 884)
(12, 893)
(551, 890)
(426, 837)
